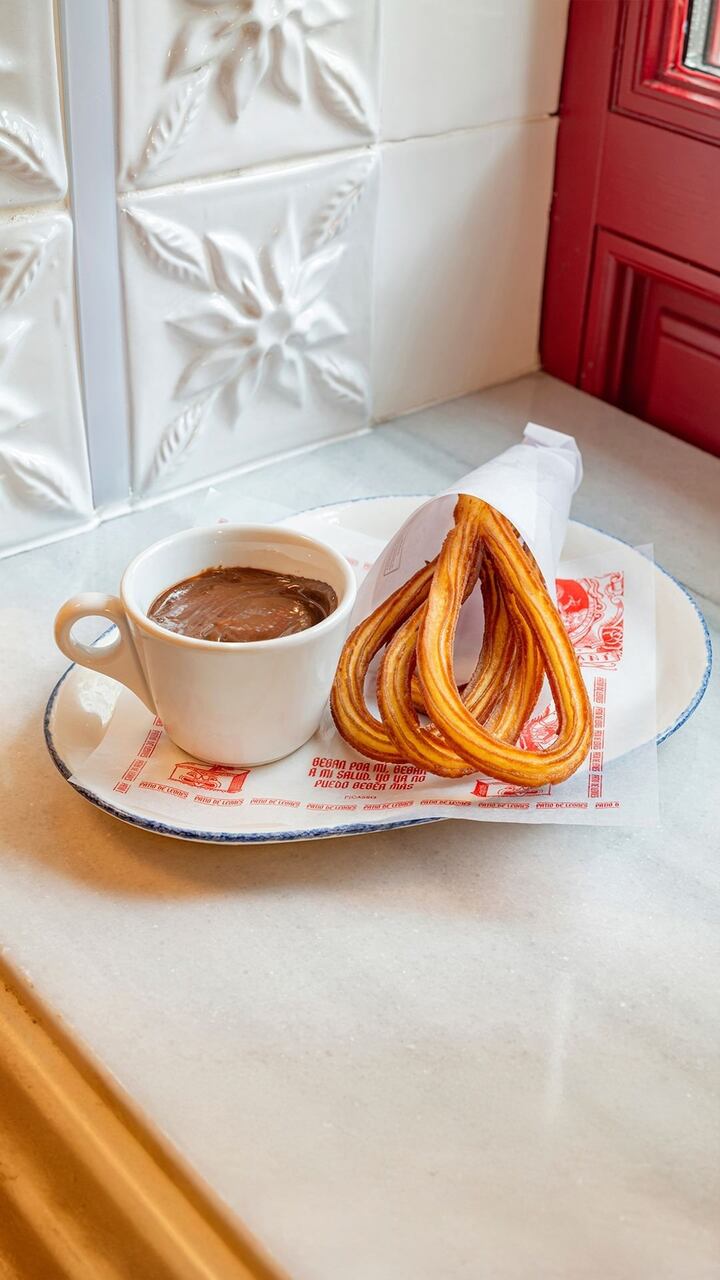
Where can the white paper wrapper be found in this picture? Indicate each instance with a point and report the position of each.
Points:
(531, 483)
(607, 602)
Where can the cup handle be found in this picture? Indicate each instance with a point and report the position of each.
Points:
(119, 659)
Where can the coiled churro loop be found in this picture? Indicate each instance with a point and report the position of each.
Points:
(476, 729)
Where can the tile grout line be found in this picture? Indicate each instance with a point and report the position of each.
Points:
(397, 415)
(244, 468)
(463, 129)
(129, 506)
(262, 168)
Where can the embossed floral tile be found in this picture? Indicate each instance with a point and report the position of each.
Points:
(248, 306)
(44, 477)
(32, 159)
(213, 86)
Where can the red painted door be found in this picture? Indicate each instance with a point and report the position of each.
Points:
(631, 310)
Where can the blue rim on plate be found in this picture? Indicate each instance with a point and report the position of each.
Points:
(351, 829)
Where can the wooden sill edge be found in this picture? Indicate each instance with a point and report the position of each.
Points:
(87, 1191)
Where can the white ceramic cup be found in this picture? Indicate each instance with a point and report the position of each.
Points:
(239, 703)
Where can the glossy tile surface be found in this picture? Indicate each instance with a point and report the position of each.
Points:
(248, 317)
(462, 226)
(456, 64)
(43, 455)
(428, 1053)
(32, 159)
(217, 88)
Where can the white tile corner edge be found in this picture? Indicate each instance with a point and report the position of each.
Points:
(216, 89)
(248, 312)
(32, 153)
(44, 473)
(91, 129)
(458, 290)
(464, 63)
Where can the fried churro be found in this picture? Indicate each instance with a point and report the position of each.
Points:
(425, 718)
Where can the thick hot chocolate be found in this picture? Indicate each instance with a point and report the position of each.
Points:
(241, 604)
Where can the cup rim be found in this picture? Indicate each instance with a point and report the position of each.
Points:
(269, 531)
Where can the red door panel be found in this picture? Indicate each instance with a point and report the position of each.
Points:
(681, 371)
(661, 188)
(652, 342)
(631, 310)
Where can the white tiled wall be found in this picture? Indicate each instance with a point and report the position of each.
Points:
(248, 308)
(330, 211)
(458, 64)
(458, 286)
(214, 88)
(248, 167)
(32, 155)
(468, 92)
(44, 476)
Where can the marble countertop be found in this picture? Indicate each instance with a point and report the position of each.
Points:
(474, 1052)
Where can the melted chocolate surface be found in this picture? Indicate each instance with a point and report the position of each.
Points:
(241, 604)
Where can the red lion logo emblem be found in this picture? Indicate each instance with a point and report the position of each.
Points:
(592, 611)
(540, 731)
(211, 777)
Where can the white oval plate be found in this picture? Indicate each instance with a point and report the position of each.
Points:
(82, 702)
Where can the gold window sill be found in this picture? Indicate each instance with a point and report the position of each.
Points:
(85, 1192)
